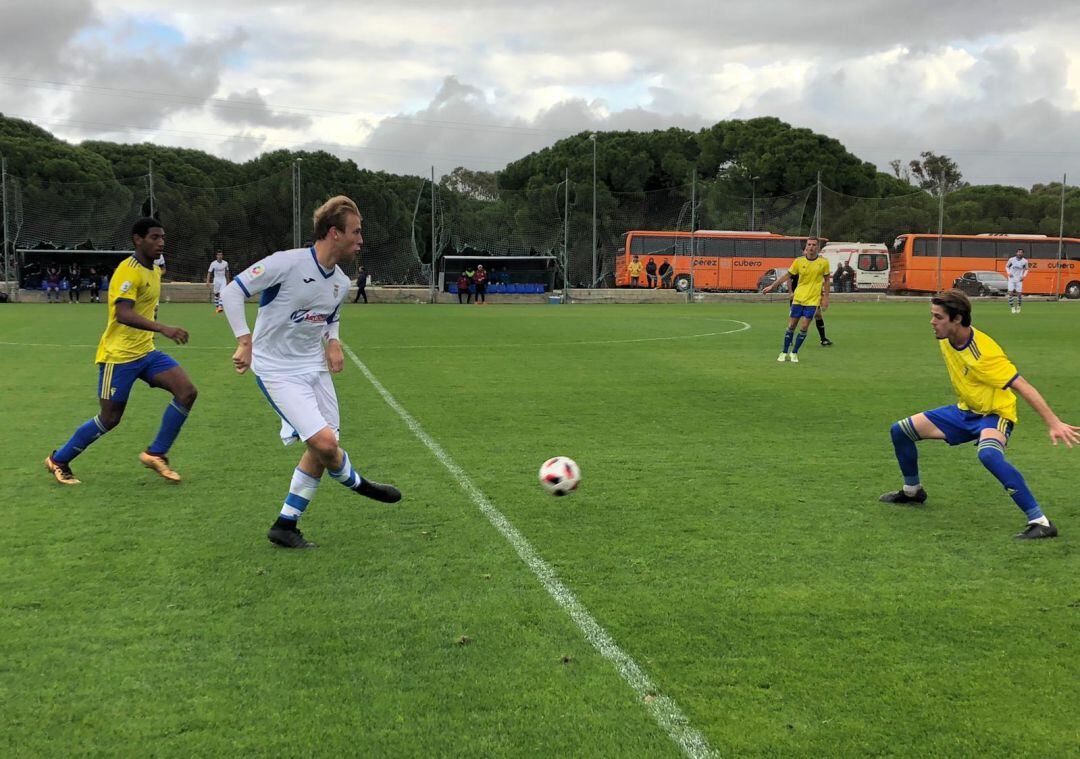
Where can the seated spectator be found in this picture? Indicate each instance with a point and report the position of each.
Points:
(463, 283)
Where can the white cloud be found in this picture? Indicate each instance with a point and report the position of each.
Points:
(401, 86)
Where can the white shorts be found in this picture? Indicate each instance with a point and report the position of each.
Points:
(1016, 284)
(306, 403)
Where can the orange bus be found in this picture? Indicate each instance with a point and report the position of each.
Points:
(718, 261)
(915, 261)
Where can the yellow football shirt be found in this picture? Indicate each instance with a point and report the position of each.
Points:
(811, 276)
(141, 286)
(981, 374)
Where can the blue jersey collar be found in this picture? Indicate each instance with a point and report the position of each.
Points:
(326, 274)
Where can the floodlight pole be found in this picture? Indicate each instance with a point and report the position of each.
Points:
(693, 226)
(940, 224)
(296, 202)
(817, 216)
(592, 138)
(434, 243)
(753, 203)
(150, 174)
(1061, 241)
(566, 237)
(4, 211)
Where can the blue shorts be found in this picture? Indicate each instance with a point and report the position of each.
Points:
(115, 380)
(805, 312)
(964, 426)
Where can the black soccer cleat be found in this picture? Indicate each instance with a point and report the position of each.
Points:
(378, 491)
(899, 496)
(289, 538)
(826, 342)
(1035, 531)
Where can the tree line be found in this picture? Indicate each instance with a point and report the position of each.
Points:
(740, 173)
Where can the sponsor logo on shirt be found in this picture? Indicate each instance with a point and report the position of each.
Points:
(126, 286)
(301, 315)
(256, 271)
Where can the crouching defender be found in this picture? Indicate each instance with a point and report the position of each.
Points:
(294, 349)
(984, 380)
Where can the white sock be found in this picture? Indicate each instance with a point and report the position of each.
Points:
(912, 489)
(1041, 520)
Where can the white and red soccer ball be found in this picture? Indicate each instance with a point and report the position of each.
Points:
(560, 475)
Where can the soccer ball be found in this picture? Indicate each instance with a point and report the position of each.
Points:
(560, 475)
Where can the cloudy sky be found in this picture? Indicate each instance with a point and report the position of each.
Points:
(403, 86)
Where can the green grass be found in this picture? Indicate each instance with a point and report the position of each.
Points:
(727, 535)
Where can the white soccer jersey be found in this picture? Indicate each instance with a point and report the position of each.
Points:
(160, 261)
(299, 298)
(1017, 267)
(220, 270)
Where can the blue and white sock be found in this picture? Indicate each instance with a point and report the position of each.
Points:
(347, 476)
(787, 340)
(799, 341)
(904, 438)
(301, 491)
(171, 422)
(992, 456)
(87, 433)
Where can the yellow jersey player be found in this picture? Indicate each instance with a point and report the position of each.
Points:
(813, 291)
(126, 353)
(986, 385)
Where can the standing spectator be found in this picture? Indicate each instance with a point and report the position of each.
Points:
(838, 277)
(504, 276)
(463, 284)
(361, 284)
(74, 282)
(480, 280)
(95, 284)
(633, 269)
(52, 282)
(470, 271)
(849, 276)
(665, 273)
(650, 273)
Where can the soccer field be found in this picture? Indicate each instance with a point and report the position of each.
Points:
(726, 548)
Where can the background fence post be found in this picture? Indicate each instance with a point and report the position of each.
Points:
(4, 211)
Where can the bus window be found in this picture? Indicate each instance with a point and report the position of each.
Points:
(979, 249)
(649, 245)
(1006, 250)
(749, 248)
(782, 249)
(922, 247)
(1044, 249)
(1072, 251)
(715, 247)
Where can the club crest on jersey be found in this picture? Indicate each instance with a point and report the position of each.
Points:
(301, 315)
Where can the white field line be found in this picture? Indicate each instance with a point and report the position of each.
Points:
(743, 326)
(662, 708)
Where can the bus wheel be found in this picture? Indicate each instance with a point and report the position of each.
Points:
(682, 283)
(1072, 290)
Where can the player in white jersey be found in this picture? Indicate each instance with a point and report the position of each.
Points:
(219, 272)
(160, 263)
(294, 349)
(1017, 270)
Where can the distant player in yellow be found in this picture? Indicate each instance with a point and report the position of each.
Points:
(812, 292)
(126, 353)
(984, 380)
